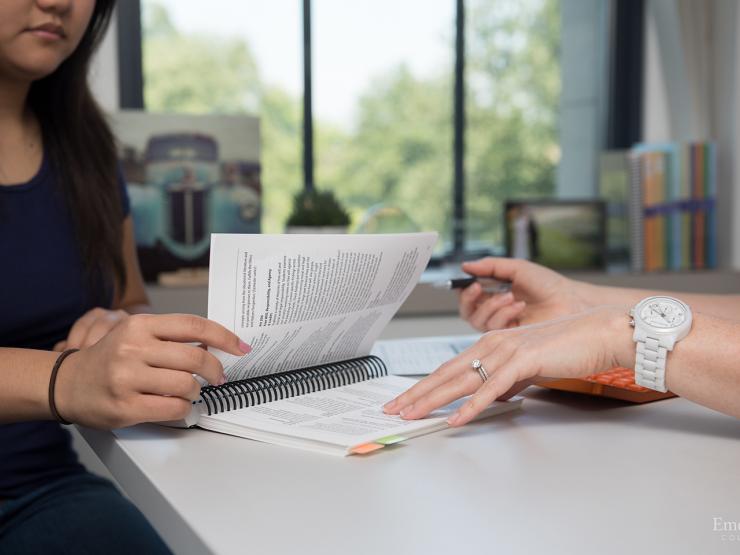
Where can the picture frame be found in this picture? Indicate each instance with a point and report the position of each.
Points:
(562, 234)
(188, 176)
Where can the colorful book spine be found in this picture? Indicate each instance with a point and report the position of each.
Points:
(672, 206)
(698, 195)
(635, 211)
(674, 195)
(684, 197)
(711, 209)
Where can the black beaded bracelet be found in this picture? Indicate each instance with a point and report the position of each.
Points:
(53, 383)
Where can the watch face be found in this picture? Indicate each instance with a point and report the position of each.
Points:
(663, 313)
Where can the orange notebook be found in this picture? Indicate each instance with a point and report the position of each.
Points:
(618, 383)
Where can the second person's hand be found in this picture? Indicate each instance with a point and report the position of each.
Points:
(570, 347)
(537, 294)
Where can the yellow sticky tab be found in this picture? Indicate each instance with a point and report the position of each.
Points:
(390, 440)
(366, 448)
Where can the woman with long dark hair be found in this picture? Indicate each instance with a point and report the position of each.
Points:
(70, 348)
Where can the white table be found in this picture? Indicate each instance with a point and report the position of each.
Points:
(567, 474)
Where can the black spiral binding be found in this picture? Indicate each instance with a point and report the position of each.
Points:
(255, 391)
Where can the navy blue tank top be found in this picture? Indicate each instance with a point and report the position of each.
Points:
(43, 291)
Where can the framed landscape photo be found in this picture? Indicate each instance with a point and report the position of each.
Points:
(559, 234)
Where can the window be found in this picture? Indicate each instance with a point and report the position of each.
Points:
(383, 111)
(243, 57)
(384, 97)
(513, 94)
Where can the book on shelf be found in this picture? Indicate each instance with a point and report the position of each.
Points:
(669, 204)
(312, 307)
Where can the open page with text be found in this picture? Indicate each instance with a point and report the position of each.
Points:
(342, 417)
(307, 300)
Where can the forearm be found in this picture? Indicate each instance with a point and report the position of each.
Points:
(703, 367)
(722, 306)
(24, 384)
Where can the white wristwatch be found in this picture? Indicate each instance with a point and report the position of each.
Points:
(659, 323)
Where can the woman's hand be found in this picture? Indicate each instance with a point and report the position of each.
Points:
(571, 347)
(142, 370)
(91, 326)
(537, 294)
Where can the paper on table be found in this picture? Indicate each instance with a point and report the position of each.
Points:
(422, 356)
(305, 300)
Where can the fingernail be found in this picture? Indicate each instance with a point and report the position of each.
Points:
(508, 296)
(452, 420)
(244, 347)
(389, 405)
(405, 411)
(222, 380)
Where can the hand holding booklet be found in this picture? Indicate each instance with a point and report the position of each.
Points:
(311, 307)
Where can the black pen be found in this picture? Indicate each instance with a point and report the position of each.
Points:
(489, 285)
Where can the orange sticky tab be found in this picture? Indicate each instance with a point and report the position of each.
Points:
(366, 448)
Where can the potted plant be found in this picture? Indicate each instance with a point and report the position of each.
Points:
(317, 212)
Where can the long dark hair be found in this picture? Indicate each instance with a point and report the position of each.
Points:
(81, 148)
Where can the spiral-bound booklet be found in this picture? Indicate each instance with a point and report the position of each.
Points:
(311, 307)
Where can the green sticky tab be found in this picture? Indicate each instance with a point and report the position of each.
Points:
(390, 440)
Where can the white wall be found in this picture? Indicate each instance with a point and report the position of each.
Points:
(656, 119)
(104, 70)
(725, 123)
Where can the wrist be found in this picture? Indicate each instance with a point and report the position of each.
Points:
(36, 400)
(619, 342)
(590, 295)
(65, 387)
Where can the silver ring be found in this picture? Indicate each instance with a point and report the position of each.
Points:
(478, 367)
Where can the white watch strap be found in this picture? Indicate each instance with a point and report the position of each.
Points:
(650, 364)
